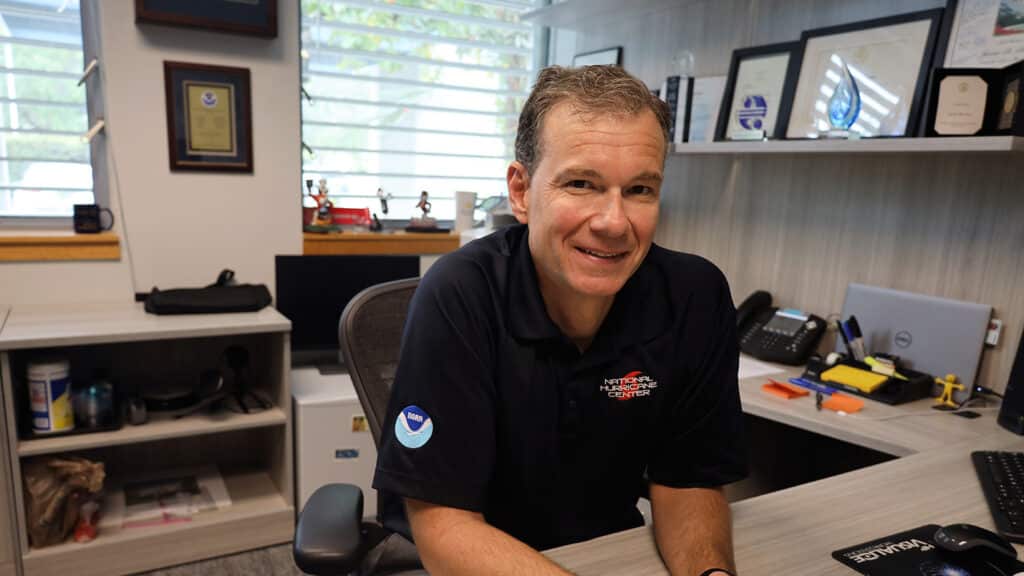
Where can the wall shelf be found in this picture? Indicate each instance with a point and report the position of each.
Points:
(865, 146)
(196, 425)
(571, 13)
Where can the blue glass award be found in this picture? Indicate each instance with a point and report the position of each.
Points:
(844, 105)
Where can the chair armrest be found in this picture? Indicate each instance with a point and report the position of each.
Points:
(329, 539)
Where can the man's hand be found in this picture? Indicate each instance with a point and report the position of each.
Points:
(453, 541)
(693, 529)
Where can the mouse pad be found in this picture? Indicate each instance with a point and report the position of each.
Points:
(912, 553)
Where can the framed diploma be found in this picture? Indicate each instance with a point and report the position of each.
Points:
(612, 56)
(252, 17)
(704, 103)
(760, 80)
(984, 33)
(865, 79)
(209, 117)
(963, 102)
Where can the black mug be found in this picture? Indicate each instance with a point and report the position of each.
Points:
(87, 218)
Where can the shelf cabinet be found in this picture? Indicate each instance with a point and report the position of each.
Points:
(251, 451)
(7, 528)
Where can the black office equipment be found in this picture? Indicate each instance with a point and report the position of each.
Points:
(929, 549)
(312, 291)
(1011, 413)
(783, 336)
(1002, 480)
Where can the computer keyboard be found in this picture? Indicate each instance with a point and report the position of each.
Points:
(1002, 479)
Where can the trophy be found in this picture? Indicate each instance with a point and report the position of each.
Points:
(844, 105)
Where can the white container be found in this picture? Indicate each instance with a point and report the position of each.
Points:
(464, 205)
(49, 387)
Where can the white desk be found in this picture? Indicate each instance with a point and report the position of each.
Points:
(794, 531)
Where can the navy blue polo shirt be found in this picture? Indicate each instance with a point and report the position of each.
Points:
(495, 411)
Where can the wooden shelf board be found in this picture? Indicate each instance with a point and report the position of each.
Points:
(99, 323)
(864, 146)
(58, 245)
(378, 243)
(258, 516)
(571, 13)
(155, 430)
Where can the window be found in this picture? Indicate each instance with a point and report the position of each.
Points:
(44, 163)
(412, 95)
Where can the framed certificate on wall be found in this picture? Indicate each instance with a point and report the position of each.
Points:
(250, 17)
(984, 33)
(209, 117)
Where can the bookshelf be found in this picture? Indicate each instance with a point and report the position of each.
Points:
(252, 451)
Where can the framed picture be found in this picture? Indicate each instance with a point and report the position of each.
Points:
(984, 33)
(209, 117)
(252, 17)
(865, 79)
(612, 56)
(760, 80)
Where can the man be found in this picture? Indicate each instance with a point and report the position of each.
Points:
(550, 370)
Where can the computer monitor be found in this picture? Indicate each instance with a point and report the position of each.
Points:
(312, 291)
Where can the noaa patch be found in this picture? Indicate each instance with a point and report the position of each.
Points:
(209, 99)
(413, 427)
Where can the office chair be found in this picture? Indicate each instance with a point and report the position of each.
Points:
(330, 537)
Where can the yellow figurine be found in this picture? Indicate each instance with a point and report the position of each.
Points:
(945, 400)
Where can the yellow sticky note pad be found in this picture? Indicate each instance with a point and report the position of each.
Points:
(862, 380)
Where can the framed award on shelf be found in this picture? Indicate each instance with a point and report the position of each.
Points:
(760, 80)
(865, 79)
(209, 117)
(963, 101)
(607, 56)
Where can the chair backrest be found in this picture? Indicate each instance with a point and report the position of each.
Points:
(370, 334)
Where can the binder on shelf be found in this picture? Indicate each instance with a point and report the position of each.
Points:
(677, 91)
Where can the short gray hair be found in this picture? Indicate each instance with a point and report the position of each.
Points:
(591, 90)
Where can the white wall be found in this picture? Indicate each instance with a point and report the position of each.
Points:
(181, 228)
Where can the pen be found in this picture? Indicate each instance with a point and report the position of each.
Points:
(842, 334)
(805, 383)
(857, 340)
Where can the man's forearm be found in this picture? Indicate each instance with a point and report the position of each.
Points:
(455, 542)
(693, 529)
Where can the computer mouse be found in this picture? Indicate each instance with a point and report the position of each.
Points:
(969, 538)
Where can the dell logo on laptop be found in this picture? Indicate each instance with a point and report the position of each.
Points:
(903, 339)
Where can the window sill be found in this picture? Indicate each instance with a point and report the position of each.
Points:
(398, 242)
(49, 246)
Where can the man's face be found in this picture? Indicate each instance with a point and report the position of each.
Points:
(592, 202)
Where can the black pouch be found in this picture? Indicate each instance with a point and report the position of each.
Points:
(213, 299)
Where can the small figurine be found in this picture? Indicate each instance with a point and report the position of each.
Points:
(424, 223)
(945, 400)
(376, 226)
(383, 200)
(323, 216)
(424, 204)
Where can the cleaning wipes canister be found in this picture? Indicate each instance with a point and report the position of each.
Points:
(49, 385)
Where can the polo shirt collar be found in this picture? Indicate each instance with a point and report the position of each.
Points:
(529, 318)
(639, 314)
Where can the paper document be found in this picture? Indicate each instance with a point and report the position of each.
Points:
(750, 368)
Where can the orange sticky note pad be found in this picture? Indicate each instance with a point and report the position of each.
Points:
(843, 403)
(782, 390)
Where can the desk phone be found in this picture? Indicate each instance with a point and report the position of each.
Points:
(785, 336)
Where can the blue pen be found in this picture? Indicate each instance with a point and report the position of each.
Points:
(805, 383)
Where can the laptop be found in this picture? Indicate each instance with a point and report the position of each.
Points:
(934, 335)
